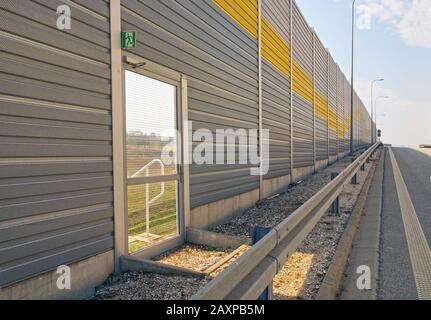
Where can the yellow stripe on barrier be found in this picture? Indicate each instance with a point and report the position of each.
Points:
(321, 106)
(340, 130)
(276, 51)
(244, 12)
(302, 83)
(346, 126)
(275, 48)
(333, 121)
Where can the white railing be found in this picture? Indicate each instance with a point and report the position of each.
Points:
(149, 201)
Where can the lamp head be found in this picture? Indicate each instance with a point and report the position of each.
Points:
(378, 80)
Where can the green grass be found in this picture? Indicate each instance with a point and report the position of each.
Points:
(163, 212)
(136, 246)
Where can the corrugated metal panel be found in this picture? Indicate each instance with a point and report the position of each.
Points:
(276, 84)
(360, 113)
(303, 113)
(214, 44)
(356, 121)
(245, 12)
(358, 125)
(276, 34)
(212, 108)
(364, 125)
(367, 131)
(367, 134)
(55, 110)
(346, 115)
(333, 120)
(321, 95)
(340, 110)
(55, 137)
(361, 122)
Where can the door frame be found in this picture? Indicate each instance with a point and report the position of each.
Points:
(153, 70)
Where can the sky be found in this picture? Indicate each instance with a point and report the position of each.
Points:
(393, 41)
(151, 105)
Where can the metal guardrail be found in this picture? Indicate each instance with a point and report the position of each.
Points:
(249, 276)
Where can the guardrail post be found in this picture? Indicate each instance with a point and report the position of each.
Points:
(258, 234)
(363, 167)
(335, 206)
(355, 177)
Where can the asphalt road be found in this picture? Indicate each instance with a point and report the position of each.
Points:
(394, 236)
(397, 276)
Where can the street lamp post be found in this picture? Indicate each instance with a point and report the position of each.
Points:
(375, 108)
(373, 138)
(351, 82)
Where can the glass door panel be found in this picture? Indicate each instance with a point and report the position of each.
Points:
(152, 170)
(152, 221)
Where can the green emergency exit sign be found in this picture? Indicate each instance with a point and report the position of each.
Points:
(129, 40)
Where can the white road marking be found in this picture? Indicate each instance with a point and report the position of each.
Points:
(420, 254)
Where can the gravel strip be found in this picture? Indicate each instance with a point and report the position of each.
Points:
(196, 258)
(300, 278)
(288, 283)
(199, 258)
(148, 286)
(314, 256)
(270, 212)
(303, 273)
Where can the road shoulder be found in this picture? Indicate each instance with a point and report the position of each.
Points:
(365, 251)
(334, 277)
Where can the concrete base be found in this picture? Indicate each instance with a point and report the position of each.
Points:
(218, 212)
(218, 240)
(85, 276)
(276, 185)
(333, 159)
(321, 164)
(224, 210)
(301, 173)
(130, 263)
